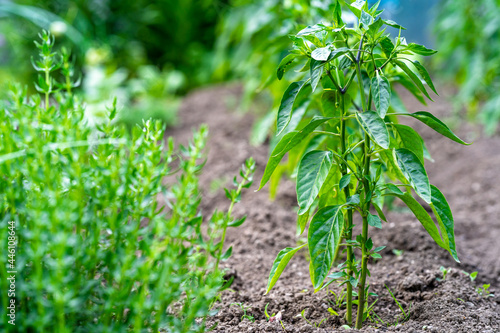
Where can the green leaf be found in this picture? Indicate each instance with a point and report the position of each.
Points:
(329, 104)
(376, 256)
(354, 282)
(375, 26)
(287, 142)
(344, 181)
(312, 173)
(393, 24)
(316, 72)
(285, 62)
(375, 127)
(365, 19)
(227, 254)
(344, 63)
(369, 243)
(337, 53)
(332, 312)
(237, 223)
(387, 45)
(424, 218)
(300, 109)
(302, 221)
(324, 235)
(329, 195)
(285, 109)
(425, 75)
(413, 77)
(312, 29)
(299, 42)
(392, 166)
(410, 140)
(353, 200)
(379, 210)
(313, 38)
(337, 275)
(420, 49)
(437, 125)
(392, 189)
(374, 8)
(374, 221)
(279, 265)
(443, 214)
(381, 92)
(321, 53)
(414, 172)
(337, 14)
(356, 7)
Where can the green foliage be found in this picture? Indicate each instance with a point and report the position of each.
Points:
(347, 149)
(104, 243)
(131, 33)
(150, 93)
(467, 35)
(251, 44)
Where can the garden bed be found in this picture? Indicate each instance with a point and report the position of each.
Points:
(410, 267)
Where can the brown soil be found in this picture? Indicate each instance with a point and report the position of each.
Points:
(468, 176)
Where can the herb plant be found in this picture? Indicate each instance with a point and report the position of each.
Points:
(353, 152)
(106, 220)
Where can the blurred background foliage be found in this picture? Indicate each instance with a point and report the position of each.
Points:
(149, 53)
(467, 35)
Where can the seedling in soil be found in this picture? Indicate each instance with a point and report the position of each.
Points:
(274, 317)
(375, 318)
(445, 272)
(483, 291)
(332, 312)
(317, 325)
(472, 275)
(244, 309)
(397, 253)
(405, 314)
(342, 125)
(339, 299)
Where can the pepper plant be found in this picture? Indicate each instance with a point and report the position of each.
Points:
(353, 151)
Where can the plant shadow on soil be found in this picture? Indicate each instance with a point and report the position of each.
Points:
(467, 175)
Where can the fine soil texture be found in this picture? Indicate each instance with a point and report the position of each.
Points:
(412, 265)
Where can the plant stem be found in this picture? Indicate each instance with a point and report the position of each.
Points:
(228, 217)
(47, 80)
(366, 203)
(348, 221)
(223, 238)
(360, 82)
(364, 234)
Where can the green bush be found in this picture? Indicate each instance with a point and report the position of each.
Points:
(468, 37)
(96, 250)
(132, 32)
